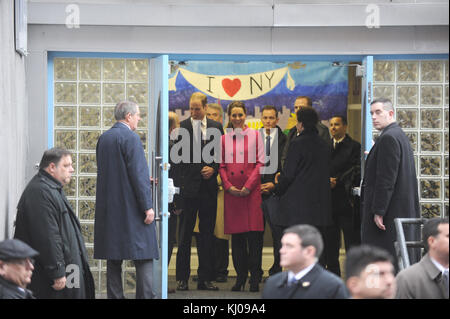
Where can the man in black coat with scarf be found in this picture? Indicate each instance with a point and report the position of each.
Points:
(304, 183)
(389, 189)
(345, 174)
(46, 222)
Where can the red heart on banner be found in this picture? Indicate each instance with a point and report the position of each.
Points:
(231, 87)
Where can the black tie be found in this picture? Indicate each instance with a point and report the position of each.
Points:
(268, 145)
(445, 279)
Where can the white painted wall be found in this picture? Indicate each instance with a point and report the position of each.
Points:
(13, 130)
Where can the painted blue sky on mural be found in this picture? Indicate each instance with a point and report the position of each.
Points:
(326, 85)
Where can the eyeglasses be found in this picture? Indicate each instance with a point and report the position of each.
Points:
(22, 261)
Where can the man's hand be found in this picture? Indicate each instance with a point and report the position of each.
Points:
(59, 284)
(207, 172)
(153, 180)
(333, 182)
(177, 211)
(149, 216)
(277, 175)
(379, 222)
(234, 191)
(266, 188)
(244, 192)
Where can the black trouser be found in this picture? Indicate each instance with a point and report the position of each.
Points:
(206, 205)
(246, 250)
(172, 238)
(221, 257)
(277, 233)
(333, 233)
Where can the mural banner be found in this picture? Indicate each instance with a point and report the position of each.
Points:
(237, 87)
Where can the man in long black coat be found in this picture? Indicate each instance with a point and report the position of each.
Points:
(304, 183)
(46, 222)
(344, 175)
(389, 188)
(124, 227)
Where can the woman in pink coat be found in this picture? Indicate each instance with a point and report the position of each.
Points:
(242, 158)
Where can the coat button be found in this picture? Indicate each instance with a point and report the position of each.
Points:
(232, 173)
(242, 172)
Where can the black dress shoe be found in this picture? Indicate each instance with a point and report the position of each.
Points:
(221, 278)
(182, 285)
(254, 287)
(206, 285)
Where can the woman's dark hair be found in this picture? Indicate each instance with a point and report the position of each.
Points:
(233, 105)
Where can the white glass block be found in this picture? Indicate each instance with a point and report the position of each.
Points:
(66, 116)
(137, 70)
(88, 139)
(89, 93)
(114, 69)
(407, 95)
(65, 68)
(90, 69)
(383, 71)
(113, 93)
(90, 116)
(381, 91)
(407, 71)
(137, 93)
(431, 71)
(431, 95)
(65, 92)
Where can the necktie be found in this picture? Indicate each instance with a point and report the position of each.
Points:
(445, 279)
(198, 131)
(292, 281)
(268, 145)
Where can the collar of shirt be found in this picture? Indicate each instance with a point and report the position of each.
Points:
(123, 123)
(438, 265)
(300, 274)
(339, 140)
(204, 121)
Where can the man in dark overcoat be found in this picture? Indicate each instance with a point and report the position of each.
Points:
(124, 227)
(344, 175)
(389, 189)
(304, 183)
(46, 222)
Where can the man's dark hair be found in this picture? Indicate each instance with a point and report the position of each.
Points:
(359, 257)
(430, 228)
(343, 118)
(53, 155)
(309, 236)
(308, 117)
(307, 98)
(387, 104)
(270, 107)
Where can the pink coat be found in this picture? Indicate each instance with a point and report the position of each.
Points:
(242, 158)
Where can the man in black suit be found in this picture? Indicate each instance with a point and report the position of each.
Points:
(389, 189)
(273, 140)
(304, 183)
(198, 191)
(345, 174)
(303, 101)
(304, 278)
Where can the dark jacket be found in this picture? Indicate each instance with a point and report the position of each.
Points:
(318, 283)
(274, 156)
(123, 195)
(175, 175)
(9, 290)
(47, 223)
(304, 183)
(346, 168)
(191, 180)
(322, 130)
(389, 187)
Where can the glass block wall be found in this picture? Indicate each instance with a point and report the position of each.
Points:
(85, 93)
(419, 90)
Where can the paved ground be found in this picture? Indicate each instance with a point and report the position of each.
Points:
(224, 291)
